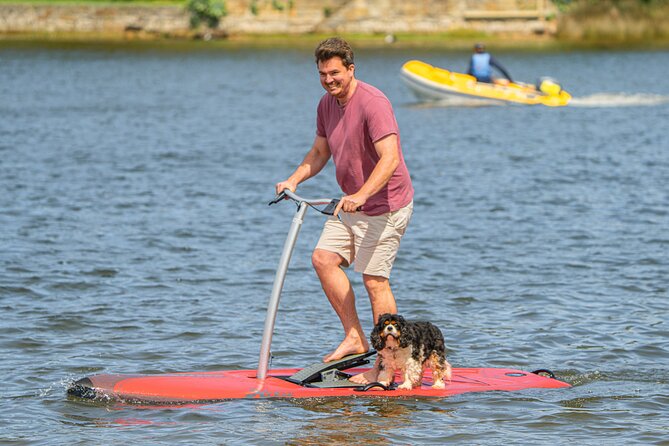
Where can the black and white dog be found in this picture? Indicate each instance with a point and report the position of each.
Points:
(410, 347)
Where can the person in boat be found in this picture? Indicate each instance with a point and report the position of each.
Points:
(482, 63)
(356, 127)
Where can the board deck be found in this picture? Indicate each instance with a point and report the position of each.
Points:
(242, 384)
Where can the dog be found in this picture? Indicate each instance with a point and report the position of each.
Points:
(410, 347)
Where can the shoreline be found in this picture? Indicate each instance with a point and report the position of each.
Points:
(436, 41)
(154, 24)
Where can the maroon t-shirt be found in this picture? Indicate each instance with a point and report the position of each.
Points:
(351, 132)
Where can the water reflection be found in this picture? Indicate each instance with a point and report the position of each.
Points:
(340, 422)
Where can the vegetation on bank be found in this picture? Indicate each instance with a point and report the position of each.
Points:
(99, 2)
(613, 21)
(579, 23)
(564, 5)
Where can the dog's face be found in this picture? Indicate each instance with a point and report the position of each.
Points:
(388, 331)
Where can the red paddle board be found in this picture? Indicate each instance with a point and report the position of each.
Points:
(240, 384)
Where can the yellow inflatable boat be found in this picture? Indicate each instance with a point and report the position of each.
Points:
(433, 83)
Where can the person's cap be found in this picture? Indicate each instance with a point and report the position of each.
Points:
(479, 46)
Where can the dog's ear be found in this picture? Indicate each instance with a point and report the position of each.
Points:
(377, 341)
(407, 334)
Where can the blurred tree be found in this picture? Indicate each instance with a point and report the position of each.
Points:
(208, 12)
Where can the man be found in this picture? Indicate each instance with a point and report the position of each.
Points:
(356, 126)
(481, 64)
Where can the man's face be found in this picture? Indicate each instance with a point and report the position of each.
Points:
(335, 77)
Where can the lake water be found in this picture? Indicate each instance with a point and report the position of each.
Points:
(136, 237)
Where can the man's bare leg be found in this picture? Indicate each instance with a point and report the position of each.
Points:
(383, 301)
(380, 295)
(338, 290)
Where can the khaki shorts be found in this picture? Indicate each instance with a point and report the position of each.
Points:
(370, 242)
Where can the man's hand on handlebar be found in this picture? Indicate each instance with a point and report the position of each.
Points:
(280, 187)
(350, 203)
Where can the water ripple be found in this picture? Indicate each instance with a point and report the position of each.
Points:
(137, 239)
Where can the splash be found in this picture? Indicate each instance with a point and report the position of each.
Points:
(619, 100)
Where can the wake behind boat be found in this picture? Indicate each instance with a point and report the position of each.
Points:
(316, 381)
(432, 83)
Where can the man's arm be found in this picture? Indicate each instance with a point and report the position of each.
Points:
(389, 159)
(313, 162)
(499, 66)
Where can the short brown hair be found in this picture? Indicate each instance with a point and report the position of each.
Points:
(334, 47)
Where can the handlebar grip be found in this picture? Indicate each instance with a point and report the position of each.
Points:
(278, 198)
(330, 208)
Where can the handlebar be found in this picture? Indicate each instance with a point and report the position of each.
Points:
(287, 194)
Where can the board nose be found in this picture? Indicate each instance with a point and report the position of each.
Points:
(82, 388)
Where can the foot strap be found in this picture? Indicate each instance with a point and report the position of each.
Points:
(315, 372)
(365, 388)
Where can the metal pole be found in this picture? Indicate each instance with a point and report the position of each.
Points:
(279, 278)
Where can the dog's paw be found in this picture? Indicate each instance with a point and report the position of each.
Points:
(438, 385)
(406, 385)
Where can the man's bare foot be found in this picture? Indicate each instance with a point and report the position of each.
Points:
(370, 376)
(367, 377)
(348, 347)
